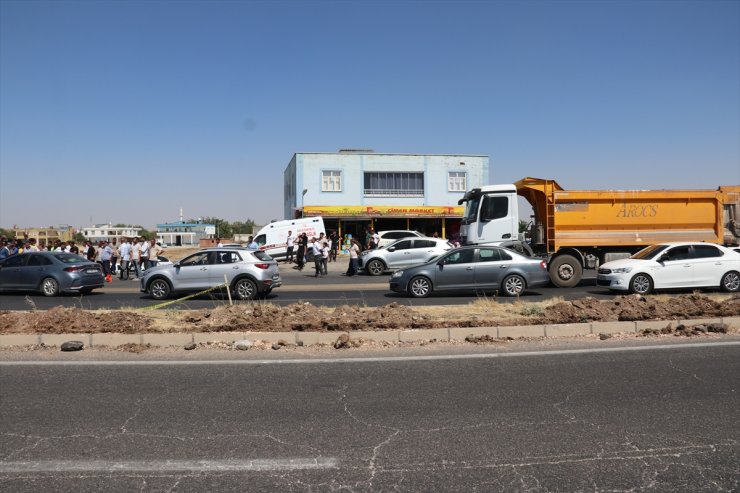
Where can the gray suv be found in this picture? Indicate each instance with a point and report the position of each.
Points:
(249, 273)
(402, 253)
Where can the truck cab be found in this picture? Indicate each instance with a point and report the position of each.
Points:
(491, 215)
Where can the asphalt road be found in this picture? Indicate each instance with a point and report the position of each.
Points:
(332, 290)
(656, 419)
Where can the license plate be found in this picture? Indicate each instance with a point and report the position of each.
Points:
(93, 271)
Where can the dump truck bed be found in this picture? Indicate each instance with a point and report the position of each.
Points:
(605, 218)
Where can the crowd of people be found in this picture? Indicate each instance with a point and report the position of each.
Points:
(126, 258)
(323, 250)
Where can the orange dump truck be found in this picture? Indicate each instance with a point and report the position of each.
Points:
(580, 229)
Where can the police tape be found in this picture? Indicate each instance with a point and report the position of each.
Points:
(167, 303)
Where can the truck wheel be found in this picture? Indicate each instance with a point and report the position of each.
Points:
(375, 267)
(641, 284)
(513, 285)
(565, 271)
(731, 282)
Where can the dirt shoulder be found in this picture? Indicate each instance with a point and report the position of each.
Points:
(305, 317)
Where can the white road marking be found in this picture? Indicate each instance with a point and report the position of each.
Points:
(165, 466)
(389, 359)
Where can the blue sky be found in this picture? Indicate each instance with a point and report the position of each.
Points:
(126, 111)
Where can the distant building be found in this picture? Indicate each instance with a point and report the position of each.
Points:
(354, 190)
(108, 232)
(181, 233)
(45, 236)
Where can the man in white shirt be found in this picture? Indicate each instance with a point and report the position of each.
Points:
(317, 257)
(136, 256)
(125, 252)
(289, 244)
(144, 251)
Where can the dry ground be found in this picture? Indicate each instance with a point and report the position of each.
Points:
(266, 317)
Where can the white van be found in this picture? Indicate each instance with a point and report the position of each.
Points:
(272, 238)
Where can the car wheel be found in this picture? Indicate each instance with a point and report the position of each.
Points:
(159, 289)
(513, 285)
(730, 282)
(641, 284)
(565, 271)
(420, 287)
(50, 287)
(245, 289)
(375, 267)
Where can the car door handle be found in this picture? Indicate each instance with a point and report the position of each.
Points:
(687, 265)
(468, 268)
(235, 267)
(203, 268)
(502, 266)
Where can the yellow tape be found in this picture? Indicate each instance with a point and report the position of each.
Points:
(167, 303)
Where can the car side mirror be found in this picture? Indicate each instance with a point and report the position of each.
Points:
(391, 249)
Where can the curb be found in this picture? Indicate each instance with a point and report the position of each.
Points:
(405, 335)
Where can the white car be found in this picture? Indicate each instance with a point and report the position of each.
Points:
(402, 253)
(388, 237)
(672, 266)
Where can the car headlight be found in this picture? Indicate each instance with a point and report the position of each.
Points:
(622, 270)
(398, 273)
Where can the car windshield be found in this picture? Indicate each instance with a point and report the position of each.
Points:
(650, 252)
(69, 258)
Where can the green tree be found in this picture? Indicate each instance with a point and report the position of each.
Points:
(6, 233)
(523, 226)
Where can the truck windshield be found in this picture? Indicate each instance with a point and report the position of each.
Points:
(471, 210)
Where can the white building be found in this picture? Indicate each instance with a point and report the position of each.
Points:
(107, 232)
(357, 190)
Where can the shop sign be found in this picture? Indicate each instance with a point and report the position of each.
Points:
(381, 211)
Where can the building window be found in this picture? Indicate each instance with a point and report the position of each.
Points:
(394, 184)
(457, 181)
(331, 181)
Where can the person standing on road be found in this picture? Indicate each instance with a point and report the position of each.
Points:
(325, 249)
(114, 256)
(334, 246)
(154, 251)
(144, 247)
(289, 244)
(354, 256)
(136, 256)
(317, 259)
(125, 252)
(105, 255)
(301, 254)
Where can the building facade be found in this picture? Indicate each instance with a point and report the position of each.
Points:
(108, 232)
(355, 191)
(180, 233)
(45, 236)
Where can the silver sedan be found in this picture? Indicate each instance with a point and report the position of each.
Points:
(473, 268)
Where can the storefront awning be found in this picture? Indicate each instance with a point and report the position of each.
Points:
(367, 211)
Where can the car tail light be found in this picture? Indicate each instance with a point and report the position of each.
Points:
(543, 264)
(72, 269)
(262, 266)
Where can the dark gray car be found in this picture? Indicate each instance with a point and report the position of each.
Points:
(249, 273)
(51, 273)
(473, 268)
